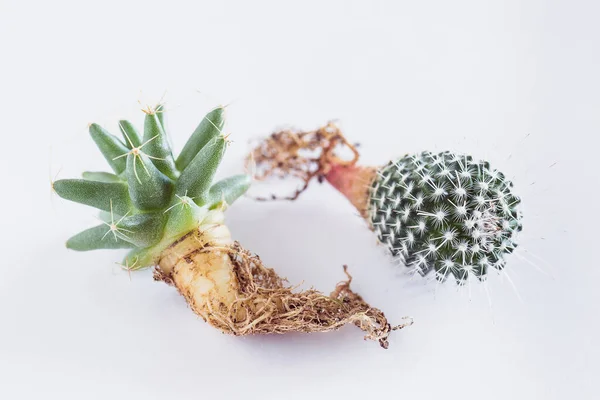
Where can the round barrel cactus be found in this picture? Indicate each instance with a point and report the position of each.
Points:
(443, 212)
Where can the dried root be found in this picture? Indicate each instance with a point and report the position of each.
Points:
(263, 304)
(302, 155)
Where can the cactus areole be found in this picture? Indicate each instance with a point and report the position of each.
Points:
(437, 212)
(170, 214)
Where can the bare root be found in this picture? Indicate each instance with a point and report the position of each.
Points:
(302, 155)
(265, 304)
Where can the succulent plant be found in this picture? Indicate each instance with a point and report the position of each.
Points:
(151, 198)
(445, 213)
(170, 214)
(439, 212)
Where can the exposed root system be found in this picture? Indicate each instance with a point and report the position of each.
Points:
(303, 155)
(263, 303)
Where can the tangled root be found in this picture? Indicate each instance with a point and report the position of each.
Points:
(302, 155)
(264, 304)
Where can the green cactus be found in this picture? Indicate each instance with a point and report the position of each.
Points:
(445, 213)
(170, 214)
(151, 199)
(439, 212)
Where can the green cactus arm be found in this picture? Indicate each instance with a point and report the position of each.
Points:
(228, 190)
(209, 127)
(98, 237)
(138, 230)
(160, 114)
(156, 145)
(195, 180)
(95, 194)
(184, 215)
(130, 134)
(141, 229)
(149, 188)
(106, 177)
(111, 147)
(140, 258)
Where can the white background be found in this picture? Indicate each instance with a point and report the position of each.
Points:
(514, 81)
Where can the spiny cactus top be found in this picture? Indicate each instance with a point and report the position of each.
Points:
(151, 197)
(445, 213)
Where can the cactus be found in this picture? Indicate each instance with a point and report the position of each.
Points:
(170, 214)
(436, 212)
(445, 213)
(151, 199)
